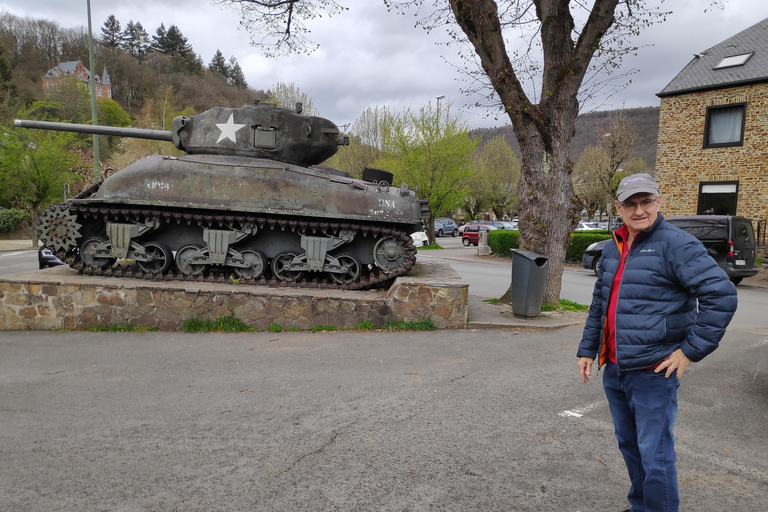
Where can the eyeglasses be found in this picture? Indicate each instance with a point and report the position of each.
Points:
(645, 204)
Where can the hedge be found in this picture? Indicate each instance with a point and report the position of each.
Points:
(502, 241)
(10, 220)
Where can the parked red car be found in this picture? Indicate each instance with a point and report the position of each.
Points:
(471, 233)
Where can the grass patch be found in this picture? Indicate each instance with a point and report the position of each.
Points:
(229, 323)
(565, 305)
(365, 325)
(422, 325)
(430, 247)
(122, 328)
(273, 327)
(491, 301)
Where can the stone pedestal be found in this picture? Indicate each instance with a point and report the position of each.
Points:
(60, 298)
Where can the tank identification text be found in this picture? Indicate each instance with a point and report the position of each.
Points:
(386, 203)
(158, 185)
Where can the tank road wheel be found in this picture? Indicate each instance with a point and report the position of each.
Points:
(281, 267)
(389, 254)
(58, 229)
(257, 264)
(161, 258)
(183, 261)
(89, 256)
(352, 272)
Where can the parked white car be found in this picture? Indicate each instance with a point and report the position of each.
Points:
(586, 225)
(420, 239)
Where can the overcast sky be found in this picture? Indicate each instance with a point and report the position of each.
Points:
(369, 57)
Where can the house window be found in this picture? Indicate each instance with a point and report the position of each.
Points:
(724, 126)
(733, 61)
(718, 198)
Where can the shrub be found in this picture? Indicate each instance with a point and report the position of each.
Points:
(10, 220)
(502, 241)
(582, 240)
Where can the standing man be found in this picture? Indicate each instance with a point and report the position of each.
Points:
(646, 327)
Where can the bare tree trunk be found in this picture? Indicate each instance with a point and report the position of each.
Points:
(545, 196)
(546, 181)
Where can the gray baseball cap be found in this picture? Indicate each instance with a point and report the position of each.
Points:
(640, 183)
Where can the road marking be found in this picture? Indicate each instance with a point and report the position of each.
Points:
(11, 253)
(581, 411)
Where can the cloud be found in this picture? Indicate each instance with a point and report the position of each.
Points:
(371, 57)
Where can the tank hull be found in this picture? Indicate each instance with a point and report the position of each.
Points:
(256, 186)
(211, 217)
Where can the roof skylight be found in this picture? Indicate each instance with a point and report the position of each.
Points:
(734, 60)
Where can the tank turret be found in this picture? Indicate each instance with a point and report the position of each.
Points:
(248, 200)
(262, 130)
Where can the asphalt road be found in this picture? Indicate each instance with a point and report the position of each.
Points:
(449, 420)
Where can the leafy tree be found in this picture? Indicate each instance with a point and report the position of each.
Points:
(7, 87)
(635, 165)
(617, 138)
(590, 192)
(432, 153)
(219, 64)
(110, 113)
(135, 40)
(498, 171)
(111, 33)
(176, 44)
(35, 164)
(159, 41)
(287, 95)
(73, 44)
(70, 103)
(568, 40)
(354, 157)
(365, 142)
(236, 77)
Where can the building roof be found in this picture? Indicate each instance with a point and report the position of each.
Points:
(68, 69)
(748, 63)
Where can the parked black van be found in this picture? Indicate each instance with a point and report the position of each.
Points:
(729, 240)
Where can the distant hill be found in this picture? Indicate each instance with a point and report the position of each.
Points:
(645, 121)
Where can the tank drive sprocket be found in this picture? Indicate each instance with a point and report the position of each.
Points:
(58, 228)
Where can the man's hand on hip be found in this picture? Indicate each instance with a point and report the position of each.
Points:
(676, 361)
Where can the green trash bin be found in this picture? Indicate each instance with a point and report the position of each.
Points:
(529, 277)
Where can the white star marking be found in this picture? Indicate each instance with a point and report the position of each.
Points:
(228, 129)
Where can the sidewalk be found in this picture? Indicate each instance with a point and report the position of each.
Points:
(15, 245)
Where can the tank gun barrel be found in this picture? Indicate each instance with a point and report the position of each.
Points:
(138, 133)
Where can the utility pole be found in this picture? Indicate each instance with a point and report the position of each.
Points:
(94, 115)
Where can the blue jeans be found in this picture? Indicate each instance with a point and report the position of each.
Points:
(644, 407)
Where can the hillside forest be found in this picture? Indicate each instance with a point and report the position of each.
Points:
(154, 78)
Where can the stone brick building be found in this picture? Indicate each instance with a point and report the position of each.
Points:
(76, 71)
(712, 153)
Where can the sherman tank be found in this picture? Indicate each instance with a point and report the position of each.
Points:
(249, 201)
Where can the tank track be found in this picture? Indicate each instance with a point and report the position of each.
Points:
(376, 277)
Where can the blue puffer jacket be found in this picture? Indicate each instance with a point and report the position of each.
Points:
(666, 271)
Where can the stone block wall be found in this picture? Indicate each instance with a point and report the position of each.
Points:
(682, 162)
(60, 298)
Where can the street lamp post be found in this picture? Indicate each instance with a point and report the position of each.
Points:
(438, 111)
